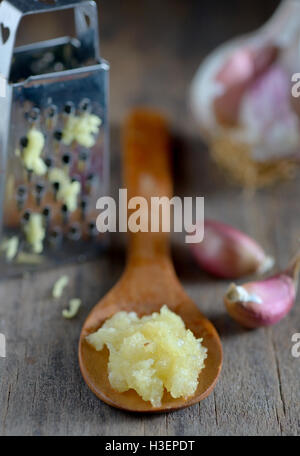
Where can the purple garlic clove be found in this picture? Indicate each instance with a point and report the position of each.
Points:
(265, 302)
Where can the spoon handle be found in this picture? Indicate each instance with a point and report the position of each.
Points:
(147, 174)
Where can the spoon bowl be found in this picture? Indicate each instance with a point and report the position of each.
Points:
(149, 280)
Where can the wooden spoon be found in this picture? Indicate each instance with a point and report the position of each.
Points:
(149, 280)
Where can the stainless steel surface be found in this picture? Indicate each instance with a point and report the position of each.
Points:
(11, 13)
(37, 77)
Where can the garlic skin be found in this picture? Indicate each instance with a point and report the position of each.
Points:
(264, 303)
(228, 253)
(222, 80)
(236, 75)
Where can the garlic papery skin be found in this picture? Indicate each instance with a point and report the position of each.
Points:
(222, 80)
(228, 253)
(237, 293)
(262, 303)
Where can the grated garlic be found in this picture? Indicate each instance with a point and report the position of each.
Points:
(10, 247)
(58, 175)
(59, 286)
(74, 306)
(81, 129)
(151, 353)
(68, 191)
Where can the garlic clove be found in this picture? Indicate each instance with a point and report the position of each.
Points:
(228, 253)
(265, 302)
(261, 303)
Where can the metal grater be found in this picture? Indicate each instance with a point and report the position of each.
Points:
(54, 157)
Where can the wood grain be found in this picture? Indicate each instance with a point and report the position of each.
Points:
(154, 48)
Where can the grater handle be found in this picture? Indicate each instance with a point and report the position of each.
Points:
(12, 11)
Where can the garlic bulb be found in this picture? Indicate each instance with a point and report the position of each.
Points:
(228, 253)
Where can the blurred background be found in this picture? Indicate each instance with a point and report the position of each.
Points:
(154, 47)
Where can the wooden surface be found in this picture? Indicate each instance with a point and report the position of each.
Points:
(154, 50)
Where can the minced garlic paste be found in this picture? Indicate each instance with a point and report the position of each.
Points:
(32, 152)
(68, 191)
(35, 232)
(151, 353)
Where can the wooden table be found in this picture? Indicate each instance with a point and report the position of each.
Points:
(154, 48)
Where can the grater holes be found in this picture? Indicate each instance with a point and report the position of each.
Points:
(84, 202)
(87, 20)
(22, 191)
(46, 212)
(39, 192)
(29, 173)
(49, 162)
(76, 178)
(26, 216)
(24, 142)
(89, 183)
(21, 197)
(39, 188)
(74, 233)
(55, 237)
(65, 214)
(51, 111)
(69, 108)
(66, 159)
(76, 160)
(92, 229)
(83, 161)
(83, 156)
(33, 115)
(56, 187)
(4, 33)
(58, 134)
(85, 105)
(51, 115)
